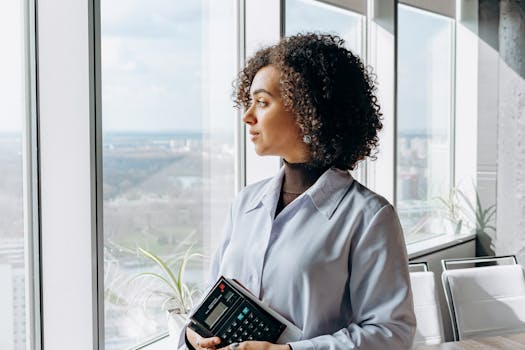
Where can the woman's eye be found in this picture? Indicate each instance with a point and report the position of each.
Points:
(261, 103)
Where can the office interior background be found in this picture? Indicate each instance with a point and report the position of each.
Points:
(118, 132)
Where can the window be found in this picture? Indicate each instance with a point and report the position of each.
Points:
(313, 15)
(168, 147)
(424, 116)
(15, 180)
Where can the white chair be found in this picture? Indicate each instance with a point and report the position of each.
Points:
(426, 306)
(484, 300)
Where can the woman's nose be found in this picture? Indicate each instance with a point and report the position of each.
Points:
(249, 118)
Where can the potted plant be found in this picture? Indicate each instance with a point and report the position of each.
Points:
(175, 296)
(454, 210)
(462, 212)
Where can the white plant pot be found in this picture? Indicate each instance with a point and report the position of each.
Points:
(176, 323)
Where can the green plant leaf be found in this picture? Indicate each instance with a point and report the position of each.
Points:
(160, 263)
(156, 276)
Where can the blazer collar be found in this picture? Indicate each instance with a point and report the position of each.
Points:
(326, 193)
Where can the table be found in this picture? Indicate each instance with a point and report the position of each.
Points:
(514, 341)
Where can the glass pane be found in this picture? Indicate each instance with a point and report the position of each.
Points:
(424, 118)
(312, 15)
(13, 100)
(168, 150)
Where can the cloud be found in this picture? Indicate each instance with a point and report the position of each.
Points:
(154, 18)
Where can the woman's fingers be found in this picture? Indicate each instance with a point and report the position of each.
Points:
(199, 342)
(208, 342)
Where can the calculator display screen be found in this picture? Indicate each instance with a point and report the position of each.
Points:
(215, 314)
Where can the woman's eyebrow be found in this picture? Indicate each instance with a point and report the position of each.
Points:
(262, 90)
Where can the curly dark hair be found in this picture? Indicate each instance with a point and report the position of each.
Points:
(330, 92)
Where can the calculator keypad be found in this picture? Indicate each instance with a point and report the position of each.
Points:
(247, 326)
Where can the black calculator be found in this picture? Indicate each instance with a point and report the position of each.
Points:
(230, 312)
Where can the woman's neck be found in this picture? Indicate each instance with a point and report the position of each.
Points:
(298, 177)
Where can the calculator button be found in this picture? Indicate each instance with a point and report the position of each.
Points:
(250, 316)
(240, 317)
(251, 326)
(245, 310)
(234, 324)
(246, 322)
(240, 330)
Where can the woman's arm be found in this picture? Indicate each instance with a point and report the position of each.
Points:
(379, 292)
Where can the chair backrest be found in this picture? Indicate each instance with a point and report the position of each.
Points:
(418, 266)
(484, 300)
(426, 306)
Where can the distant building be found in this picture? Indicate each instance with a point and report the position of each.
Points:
(12, 294)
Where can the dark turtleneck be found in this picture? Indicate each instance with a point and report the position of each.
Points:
(298, 177)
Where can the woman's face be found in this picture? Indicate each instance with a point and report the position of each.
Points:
(272, 128)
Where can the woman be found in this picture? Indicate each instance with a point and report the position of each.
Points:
(320, 248)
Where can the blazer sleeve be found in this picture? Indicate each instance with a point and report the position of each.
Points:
(379, 291)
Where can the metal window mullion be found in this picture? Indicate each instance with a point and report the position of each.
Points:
(395, 110)
(31, 184)
(452, 121)
(240, 131)
(363, 167)
(97, 179)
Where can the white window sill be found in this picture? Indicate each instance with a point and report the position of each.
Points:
(431, 245)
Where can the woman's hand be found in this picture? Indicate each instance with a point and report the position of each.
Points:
(201, 343)
(256, 345)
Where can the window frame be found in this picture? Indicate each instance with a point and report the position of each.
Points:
(239, 160)
(463, 114)
(31, 186)
(430, 9)
(30, 203)
(66, 97)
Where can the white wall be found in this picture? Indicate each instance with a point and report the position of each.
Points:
(510, 234)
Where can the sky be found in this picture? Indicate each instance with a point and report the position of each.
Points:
(308, 15)
(163, 69)
(169, 65)
(157, 63)
(12, 96)
(424, 71)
